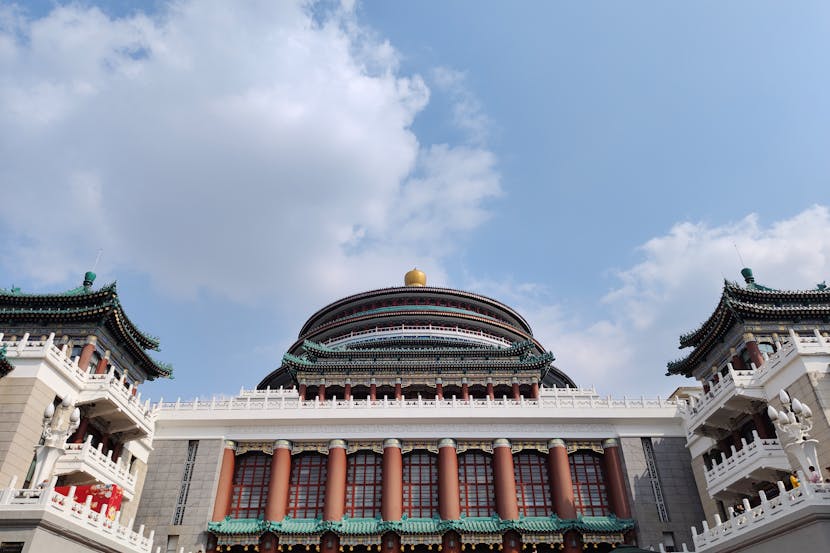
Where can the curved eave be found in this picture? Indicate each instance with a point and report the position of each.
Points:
(304, 365)
(418, 315)
(325, 352)
(413, 290)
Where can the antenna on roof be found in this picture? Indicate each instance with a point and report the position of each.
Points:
(741, 259)
(97, 258)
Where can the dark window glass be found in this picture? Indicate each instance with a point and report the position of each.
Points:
(420, 484)
(250, 485)
(475, 478)
(532, 484)
(308, 485)
(363, 485)
(589, 484)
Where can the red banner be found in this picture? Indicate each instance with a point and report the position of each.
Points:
(102, 494)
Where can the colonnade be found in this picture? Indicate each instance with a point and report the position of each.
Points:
(449, 499)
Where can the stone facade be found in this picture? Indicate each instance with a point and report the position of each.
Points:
(22, 401)
(162, 486)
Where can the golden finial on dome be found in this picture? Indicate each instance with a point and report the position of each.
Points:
(415, 278)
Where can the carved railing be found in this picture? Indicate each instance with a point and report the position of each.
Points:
(94, 461)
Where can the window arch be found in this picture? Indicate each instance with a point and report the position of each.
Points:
(532, 483)
(589, 484)
(420, 484)
(250, 485)
(363, 484)
(307, 490)
(475, 478)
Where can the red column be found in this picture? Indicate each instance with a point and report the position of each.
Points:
(347, 392)
(329, 543)
(760, 425)
(615, 479)
(534, 390)
(752, 348)
(507, 505)
(224, 490)
(392, 499)
(301, 391)
(511, 542)
(439, 388)
(398, 391)
(465, 390)
(391, 543)
(373, 390)
(80, 434)
(737, 362)
(335, 481)
(561, 485)
(516, 393)
(278, 485)
(449, 499)
(321, 392)
(103, 363)
(490, 393)
(451, 543)
(86, 353)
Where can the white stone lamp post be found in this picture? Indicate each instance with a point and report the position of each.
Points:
(56, 430)
(792, 425)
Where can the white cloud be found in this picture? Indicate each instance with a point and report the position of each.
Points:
(242, 150)
(622, 343)
(467, 112)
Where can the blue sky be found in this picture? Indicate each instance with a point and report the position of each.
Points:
(592, 164)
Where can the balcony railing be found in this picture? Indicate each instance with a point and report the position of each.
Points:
(724, 535)
(77, 518)
(93, 461)
(757, 455)
(90, 386)
(733, 383)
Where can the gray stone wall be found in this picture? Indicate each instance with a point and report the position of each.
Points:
(678, 486)
(161, 491)
(22, 401)
(129, 509)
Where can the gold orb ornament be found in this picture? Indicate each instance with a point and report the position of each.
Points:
(415, 278)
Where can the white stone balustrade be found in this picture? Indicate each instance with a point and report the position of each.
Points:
(726, 534)
(75, 517)
(90, 386)
(728, 385)
(93, 461)
(755, 455)
(420, 330)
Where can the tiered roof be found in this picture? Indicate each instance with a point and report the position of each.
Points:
(752, 303)
(83, 304)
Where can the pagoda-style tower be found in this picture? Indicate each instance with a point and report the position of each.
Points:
(416, 341)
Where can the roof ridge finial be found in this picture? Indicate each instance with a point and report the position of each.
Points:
(746, 272)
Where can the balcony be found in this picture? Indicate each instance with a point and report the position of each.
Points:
(757, 461)
(727, 399)
(77, 521)
(82, 464)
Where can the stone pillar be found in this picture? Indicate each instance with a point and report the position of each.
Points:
(465, 389)
(278, 486)
(103, 363)
(439, 388)
(224, 490)
(347, 391)
(335, 503)
(449, 498)
(507, 505)
(517, 395)
(753, 350)
(511, 542)
(392, 500)
(490, 394)
(534, 390)
(561, 485)
(615, 479)
(86, 353)
(451, 542)
(373, 390)
(398, 391)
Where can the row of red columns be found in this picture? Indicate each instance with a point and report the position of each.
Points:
(449, 498)
(439, 390)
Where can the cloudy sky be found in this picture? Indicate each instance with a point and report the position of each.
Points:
(598, 166)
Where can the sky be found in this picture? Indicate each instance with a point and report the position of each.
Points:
(599, 166)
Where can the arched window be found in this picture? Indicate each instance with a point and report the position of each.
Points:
(250, 485)
(363, 484)
(308, 485)
(532, 483)
(589, 484)
(475, 478)
(420, 484)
